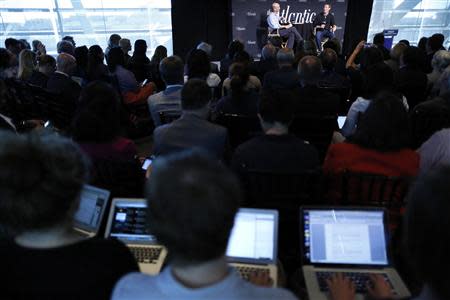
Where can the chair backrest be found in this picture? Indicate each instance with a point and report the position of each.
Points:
(168, 116)
(316, 129)
(240, 128)
(425, 123)
(363, 189)
(122, 178)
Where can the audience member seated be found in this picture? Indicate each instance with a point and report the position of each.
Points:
(427, 237)
(267, 63)
(330, 78)
(27, 64)
(198, 268)
(96, 69)
(14, 46)
(440, 62)
(192, 130)
(97, 127)
(61, 82)
(46, 68)
(433, 45)
(6, 121)
(335, 45)
(396, 52)
(125, 45)
(208, 50)
(376, 78)
(82, 57)
(242, 92)
(128, 86)
(198, 66)
(276, 150)
(378, 41)
(367, 57)
(65, 47)
(40, 184)
(171, 70)
(8, 64)
(380, 144)
(113, 42)
(305, 48)
(405, 42)
(310, 99)
(139, 63)
(159, 54)
(286, 77)
(234, 47)
(410, 80)
(250, 82)
(70, 39)
(435, 152)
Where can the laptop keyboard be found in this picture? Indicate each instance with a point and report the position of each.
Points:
(245, 272)
(359, 280)
(146, 255)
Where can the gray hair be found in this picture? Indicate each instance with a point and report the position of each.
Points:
(65, 63)
(285, 56)
(310, 69)
(269, 51)
(441, 60)
(207, 48)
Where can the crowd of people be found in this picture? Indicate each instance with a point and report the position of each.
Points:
(193, 184)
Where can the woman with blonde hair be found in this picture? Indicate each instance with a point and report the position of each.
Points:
(27, 63)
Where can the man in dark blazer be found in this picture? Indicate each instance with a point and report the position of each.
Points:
(61, 82)
(192, 130)
(310, 99)
(286, 77)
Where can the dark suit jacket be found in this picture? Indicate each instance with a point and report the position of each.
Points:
(283, 78)
(189, 132)
(262, 67)
(67, 89)
(313, 100)
(38, 79)
(412, 83)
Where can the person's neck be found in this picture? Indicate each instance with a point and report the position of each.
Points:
(53, 237)
(276, 129)
(202, 275)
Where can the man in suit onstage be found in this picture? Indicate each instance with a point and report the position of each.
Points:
(324, 25)
(276, 22)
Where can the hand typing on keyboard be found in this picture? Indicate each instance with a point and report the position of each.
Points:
(261, 279)
(341, 288)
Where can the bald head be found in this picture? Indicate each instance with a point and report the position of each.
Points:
(276, 7)
(329, 59)
(310, 70)
(269, 52)
(66, 63)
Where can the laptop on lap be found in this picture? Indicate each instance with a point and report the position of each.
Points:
(253, 242)
(352, 241)
(127, 222)
(89, 216)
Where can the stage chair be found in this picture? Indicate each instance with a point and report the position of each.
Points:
(271, 35)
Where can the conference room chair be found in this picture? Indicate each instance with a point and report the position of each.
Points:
(240, 128)
(425, 123)
(315, 129)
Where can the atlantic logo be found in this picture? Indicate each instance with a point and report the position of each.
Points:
(241, 28)
(251, 42)
(251, 14)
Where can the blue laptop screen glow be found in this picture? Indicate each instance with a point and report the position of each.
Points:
(345, 237)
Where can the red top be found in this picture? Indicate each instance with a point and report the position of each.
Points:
(350, 157)
(120, 149)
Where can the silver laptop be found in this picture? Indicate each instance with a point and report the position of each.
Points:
(89, 216)
(353, 241)
(127, 222)
(253, 242)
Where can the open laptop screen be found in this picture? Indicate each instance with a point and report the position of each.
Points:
(254, 236)
(354, 237)
(129, 221)
(92, 205)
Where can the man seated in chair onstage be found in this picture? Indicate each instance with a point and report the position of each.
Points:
(324, 25)
(282, 26)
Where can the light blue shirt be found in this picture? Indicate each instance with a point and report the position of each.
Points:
(358, 107)
(273, 20)
(168, 100)
(136, 286)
